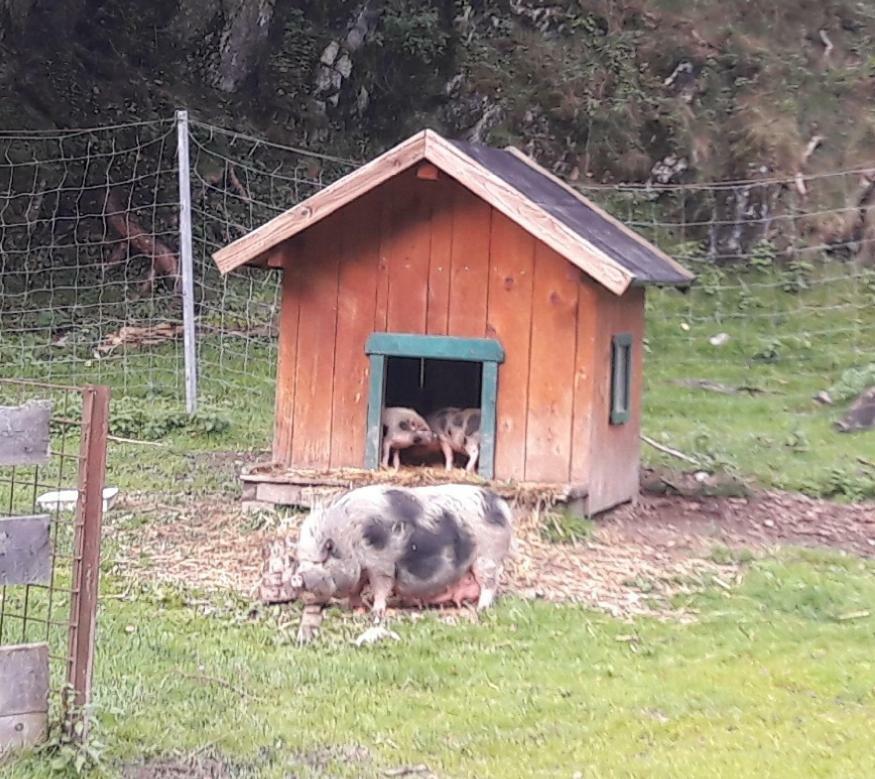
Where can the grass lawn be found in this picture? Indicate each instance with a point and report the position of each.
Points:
(775, 679)
(790, 336)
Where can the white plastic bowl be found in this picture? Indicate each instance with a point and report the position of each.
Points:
(65, 500)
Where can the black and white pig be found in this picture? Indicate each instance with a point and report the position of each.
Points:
(402, 428)
(457, 430)
(418, 543)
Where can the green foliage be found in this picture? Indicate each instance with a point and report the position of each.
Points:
(762, 255)
(848, 482)
(67, 754)
(153, 419)
(564, 527)
(852, 382)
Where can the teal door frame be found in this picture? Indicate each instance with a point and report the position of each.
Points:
(487, 351)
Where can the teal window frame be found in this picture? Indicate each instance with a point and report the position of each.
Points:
(621, 378)
(489, 352)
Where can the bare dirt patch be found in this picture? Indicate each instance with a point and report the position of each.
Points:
(635, 561)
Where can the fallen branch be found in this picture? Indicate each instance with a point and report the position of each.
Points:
(216, 680)
(809, 150)
(236, 184)
(407, 770)
(120, 440)
(164, 262)
(668, 450)
(827, 44)
(723, 389)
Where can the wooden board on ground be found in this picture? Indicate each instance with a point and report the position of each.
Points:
(25, 550)
(24, 433)
(24, 695)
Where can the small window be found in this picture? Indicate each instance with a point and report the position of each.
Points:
(621, 378)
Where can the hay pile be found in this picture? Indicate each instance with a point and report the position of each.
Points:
(211, 546)
(523, 495)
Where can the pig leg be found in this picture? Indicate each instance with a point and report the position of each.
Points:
(311, 620)
(387, 450)
(381, 588)
(396, 459)
(486, 573)
(448, 454)
(472, 449)
(356, 602)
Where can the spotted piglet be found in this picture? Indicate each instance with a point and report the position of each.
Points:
(402, 428)
(457, 430)
(420, 543)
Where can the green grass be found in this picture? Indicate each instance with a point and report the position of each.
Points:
(792, 333)
(789, 345)
(774, 680)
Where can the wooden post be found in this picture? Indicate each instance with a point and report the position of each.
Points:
(186, 262)
(86, 545)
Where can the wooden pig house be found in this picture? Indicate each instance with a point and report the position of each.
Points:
(444, 273)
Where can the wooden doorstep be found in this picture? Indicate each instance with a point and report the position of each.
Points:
(289, 487)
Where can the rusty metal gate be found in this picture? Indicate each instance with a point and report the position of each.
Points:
(52, 474)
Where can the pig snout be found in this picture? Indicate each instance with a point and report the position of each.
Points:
(423, 438)
(314, 584)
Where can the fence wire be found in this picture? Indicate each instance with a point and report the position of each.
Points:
(89, 236)
(58, 611)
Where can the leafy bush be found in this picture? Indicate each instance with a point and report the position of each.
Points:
(852, 382)
(152, 420)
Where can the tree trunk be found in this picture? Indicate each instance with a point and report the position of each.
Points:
(242, 44)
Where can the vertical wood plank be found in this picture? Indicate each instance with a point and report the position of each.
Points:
(375, 411)
(409, 221)
(355, 322)
(286, 360)
(551, 367)
(512, 252)
(384, 204)
(586, 369)
(440, 257)
(24, 433)
(317, 328)
(24, 695)
(488, 395)
(469, 276)
(25, 550)
(24, 678)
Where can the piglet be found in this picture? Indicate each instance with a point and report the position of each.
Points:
(457, 430)
(402, 428)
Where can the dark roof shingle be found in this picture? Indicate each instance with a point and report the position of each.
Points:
(647, 265)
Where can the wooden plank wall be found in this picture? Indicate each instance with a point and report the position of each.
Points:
(428, 256)
(614, 470)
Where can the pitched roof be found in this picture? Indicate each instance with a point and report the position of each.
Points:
(510, 182)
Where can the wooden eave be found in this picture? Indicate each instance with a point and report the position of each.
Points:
(429, 146)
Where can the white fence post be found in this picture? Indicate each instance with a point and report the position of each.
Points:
(185, 257)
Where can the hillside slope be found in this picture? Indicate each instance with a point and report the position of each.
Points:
(601, 91)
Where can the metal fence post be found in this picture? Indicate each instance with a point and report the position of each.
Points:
(86, 551)
(185, 256)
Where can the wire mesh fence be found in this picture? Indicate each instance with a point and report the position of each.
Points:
(57, 606)
(89, 263)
